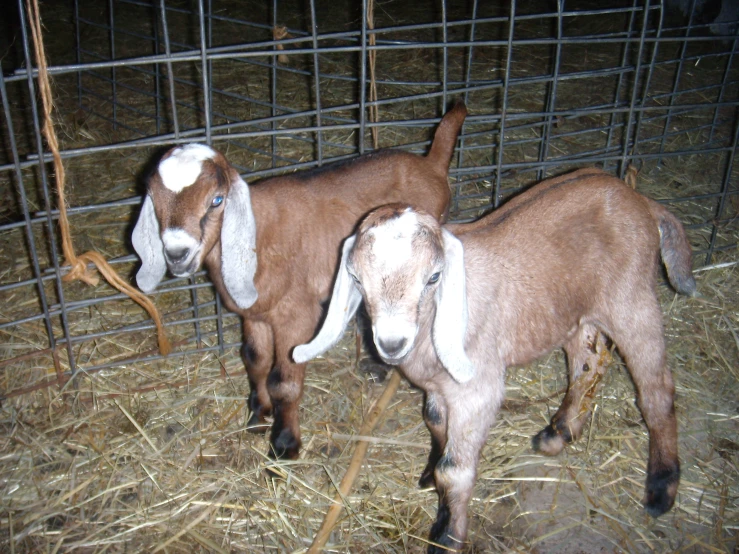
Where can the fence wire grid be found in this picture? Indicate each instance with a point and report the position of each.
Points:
(286, 85)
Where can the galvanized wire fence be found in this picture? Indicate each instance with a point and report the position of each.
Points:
(284, 86)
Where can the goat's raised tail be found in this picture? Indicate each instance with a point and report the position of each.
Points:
(445, 139)
(676, 252)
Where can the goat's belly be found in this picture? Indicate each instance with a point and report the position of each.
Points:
(522, 353)
(533, 342)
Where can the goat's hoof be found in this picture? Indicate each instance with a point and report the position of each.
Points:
(445, 549)
(274, 472)
(286, 446)
(427, 479)
(661, 490)
(257, 424)
(375, 371)
(441, 534)
(549, 441)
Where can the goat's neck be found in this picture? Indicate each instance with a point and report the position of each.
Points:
(212, 264)
(422, 365)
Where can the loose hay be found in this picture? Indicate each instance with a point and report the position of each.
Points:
(175, 469)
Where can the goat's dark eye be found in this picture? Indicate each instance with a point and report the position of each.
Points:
(434, 278)
(217, 201)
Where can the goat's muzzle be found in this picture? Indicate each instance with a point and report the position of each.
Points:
(394, 338)
(182, 265)
(177, 256)
(392, 347)
(181, 252)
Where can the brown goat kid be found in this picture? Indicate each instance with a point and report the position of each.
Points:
(271, 249)
(567, 263)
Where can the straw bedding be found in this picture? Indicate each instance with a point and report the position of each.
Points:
(99, 469)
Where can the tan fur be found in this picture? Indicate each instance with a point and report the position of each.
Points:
(301, 221)
(569, 262)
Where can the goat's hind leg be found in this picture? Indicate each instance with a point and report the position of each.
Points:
(587, 359)
(257, 352)
(640, 339)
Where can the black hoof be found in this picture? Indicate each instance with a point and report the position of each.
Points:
(441, 535)
(551, 440)
(275, 472)
(257, 424)
(285, 446)
(543, 436)
(446, 549)
(427, 479)
(661, 491)
(375, 371)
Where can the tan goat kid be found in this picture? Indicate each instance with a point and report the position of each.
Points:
(271, 249)
(566, 263)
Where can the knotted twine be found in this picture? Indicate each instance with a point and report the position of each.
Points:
(78, 264)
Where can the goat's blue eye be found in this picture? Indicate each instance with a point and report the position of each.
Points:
(434, 277)
(217, 201)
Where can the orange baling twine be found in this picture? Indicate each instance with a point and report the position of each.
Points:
(79, 263)
(374, 111)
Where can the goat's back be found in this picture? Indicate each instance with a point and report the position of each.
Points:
(332, 200)
(571, 250)
(362, 184)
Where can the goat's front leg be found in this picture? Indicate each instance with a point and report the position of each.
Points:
(471, 411)
(435, 417)
(257, 352)
(587, 359)
(285, 383)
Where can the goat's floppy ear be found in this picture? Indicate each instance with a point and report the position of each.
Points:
(450, 323)
(345, 300)
(239, 245)
(148, 245)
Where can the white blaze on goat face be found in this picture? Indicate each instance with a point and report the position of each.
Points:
(393, 284)
(392, 246)
(183, 166)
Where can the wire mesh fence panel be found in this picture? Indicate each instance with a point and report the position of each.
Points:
(284, 86)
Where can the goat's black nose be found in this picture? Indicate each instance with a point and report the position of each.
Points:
(392, 346)
(177, 255)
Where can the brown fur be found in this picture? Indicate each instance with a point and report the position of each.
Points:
(569, 262)
(301, 220)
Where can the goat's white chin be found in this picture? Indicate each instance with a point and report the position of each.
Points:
(393, 361)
